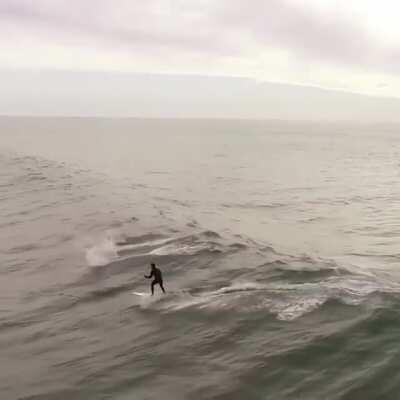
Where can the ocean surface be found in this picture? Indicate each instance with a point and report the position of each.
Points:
(278, 242)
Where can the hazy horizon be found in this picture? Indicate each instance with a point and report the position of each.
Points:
(101, 94)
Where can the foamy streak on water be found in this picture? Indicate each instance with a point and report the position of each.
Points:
(108, 250)
(287, 301)
(286, 310)
(179, 249)
(144, 244)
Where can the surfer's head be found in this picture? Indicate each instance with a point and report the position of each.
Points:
(153, 265)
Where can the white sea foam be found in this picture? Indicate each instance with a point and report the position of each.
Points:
(179, 249)
(102, 253)
(296, 307)
(287, 301)
(149, 243)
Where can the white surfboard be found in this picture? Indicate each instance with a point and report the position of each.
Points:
(141, 294)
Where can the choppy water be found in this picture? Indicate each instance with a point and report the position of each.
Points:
(279, 246)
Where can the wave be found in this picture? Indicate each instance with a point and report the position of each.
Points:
(286, 301)
(243, 297)
(114, 247)
(286, 287)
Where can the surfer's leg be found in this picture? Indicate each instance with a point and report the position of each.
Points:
(152, 287)
(162, 287)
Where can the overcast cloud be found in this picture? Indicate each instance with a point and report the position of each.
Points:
(206, 26)
(350, 45)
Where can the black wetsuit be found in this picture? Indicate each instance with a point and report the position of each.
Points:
(156, 274)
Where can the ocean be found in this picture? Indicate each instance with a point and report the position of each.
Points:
(278, 243)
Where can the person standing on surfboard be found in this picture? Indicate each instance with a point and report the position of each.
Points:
(157, 275)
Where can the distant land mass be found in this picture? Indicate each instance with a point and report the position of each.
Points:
(85, 93)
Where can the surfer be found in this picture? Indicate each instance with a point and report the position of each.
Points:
(157, 275)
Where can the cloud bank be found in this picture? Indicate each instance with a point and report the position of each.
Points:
(225, 27)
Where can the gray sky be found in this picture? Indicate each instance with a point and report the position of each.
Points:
(350, 45)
